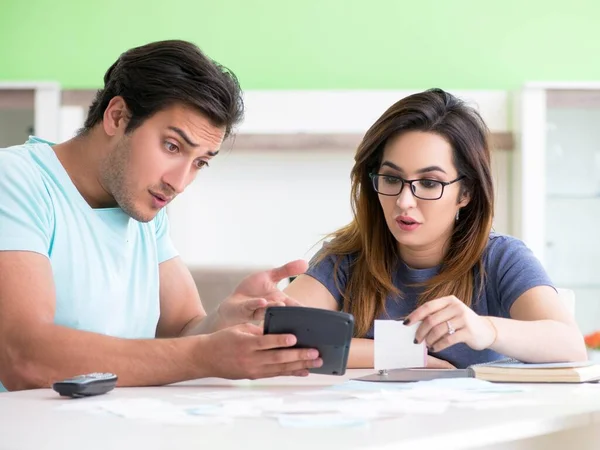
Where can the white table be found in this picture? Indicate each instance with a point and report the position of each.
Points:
(563, 416)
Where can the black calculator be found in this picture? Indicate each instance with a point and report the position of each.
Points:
(86, 385)
(330, 332)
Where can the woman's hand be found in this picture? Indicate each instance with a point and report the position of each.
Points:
(436, 363)
(447, 321)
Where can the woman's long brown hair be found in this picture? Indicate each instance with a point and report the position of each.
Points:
(368, 237)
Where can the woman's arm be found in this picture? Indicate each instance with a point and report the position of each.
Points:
(540, 329)
(362, 356)
(310, 292)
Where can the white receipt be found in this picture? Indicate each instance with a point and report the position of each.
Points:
(394, 346)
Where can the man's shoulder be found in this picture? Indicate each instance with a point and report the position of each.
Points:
(19, 165)
(24, 177)
(27, 157)
(15, 156)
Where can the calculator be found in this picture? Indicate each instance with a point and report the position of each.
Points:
(86, 385)
(330, 332)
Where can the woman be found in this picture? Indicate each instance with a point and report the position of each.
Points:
(420, 247)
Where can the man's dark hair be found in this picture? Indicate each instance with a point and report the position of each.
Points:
(161, 74)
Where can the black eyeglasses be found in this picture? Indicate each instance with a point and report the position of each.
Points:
(422, 188)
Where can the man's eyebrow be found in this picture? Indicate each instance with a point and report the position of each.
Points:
(184, 136)
(423, 170)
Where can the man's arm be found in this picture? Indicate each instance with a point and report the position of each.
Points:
(182, 314)
(181, 310)
(34, 351)
(180, 305)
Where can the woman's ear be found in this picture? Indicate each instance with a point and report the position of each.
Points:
(465, 197)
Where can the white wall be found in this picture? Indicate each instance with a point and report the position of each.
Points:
(262, 208)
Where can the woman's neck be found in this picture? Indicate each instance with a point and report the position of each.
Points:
(426, 256)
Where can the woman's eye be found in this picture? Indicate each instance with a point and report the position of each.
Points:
(200, 164)
(390, 180)
(429, 184)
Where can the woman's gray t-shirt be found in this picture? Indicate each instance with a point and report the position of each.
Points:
(511, 269)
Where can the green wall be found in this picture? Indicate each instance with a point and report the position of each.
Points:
(314, 44)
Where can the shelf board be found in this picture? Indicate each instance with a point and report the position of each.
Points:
(499, 140)
(573, 197)
(574, 98)
(328, 141)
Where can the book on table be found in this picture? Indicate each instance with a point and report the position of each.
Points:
(507, 371)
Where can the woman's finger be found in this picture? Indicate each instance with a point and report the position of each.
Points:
(433, 320)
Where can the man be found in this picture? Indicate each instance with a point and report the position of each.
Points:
(88, 275)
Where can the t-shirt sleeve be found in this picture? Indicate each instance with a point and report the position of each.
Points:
(164, 246)
(26, 217)
(324, 271)
(515, 270)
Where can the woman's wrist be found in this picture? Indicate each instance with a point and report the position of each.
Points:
(494, 330)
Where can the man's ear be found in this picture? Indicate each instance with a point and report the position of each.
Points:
(116, 116)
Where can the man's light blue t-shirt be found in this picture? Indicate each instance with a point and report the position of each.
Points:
(105, 264)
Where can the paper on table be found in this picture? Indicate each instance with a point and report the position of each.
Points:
(357, 412)
(453, 395)
(394, 346)
(321, 421)
(470, 384)
(144, 409)
(355, 385)
(501, 403)
(307, 407)
(360, 414)
(460, 390)
(226, 395)
(324, 394)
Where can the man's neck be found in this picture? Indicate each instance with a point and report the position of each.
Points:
(81, 157)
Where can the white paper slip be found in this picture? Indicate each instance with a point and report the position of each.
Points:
(394, 346)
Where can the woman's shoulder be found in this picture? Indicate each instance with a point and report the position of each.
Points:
(500, 242)
(503, 250)
(331, 268)
(327, 255)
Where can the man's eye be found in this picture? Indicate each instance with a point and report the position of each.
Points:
(171, 148)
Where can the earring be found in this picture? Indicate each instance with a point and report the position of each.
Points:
(457, 214)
